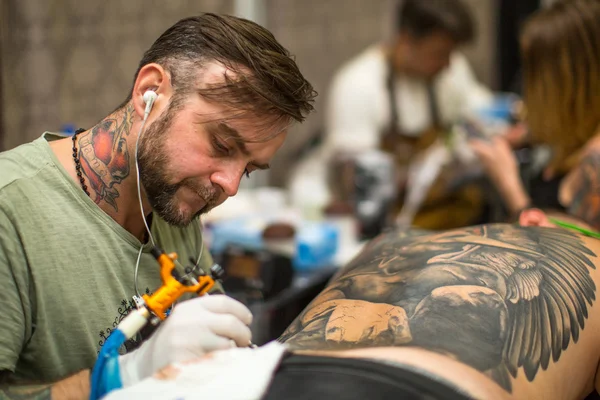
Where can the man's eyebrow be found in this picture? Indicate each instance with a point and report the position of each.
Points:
(226, 132)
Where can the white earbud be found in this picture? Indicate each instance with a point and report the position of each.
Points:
(149, 98)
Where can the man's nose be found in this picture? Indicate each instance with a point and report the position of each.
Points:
(228, 179)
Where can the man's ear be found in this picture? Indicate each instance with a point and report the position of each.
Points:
(151, 77)
(534, 217)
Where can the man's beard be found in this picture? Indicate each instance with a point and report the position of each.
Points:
(154, 164)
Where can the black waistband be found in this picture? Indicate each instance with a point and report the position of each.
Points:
(330, 378)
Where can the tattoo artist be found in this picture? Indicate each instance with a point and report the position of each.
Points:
(211, 102)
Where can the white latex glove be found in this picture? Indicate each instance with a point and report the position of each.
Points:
(194, 328)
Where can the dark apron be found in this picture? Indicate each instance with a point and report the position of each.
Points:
(442, 208)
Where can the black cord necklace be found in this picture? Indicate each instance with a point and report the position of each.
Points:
(78, 162)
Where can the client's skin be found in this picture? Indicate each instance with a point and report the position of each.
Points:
(501, 311)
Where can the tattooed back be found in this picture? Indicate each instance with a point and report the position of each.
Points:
(501, 310)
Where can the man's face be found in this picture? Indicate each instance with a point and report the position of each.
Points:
(193, 158)
(424, 57)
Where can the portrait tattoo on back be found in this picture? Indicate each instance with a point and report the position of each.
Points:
(499, 298)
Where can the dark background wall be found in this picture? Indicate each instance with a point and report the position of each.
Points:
(72, 61)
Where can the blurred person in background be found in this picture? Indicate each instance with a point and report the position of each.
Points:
(402, 95)
(560, 48)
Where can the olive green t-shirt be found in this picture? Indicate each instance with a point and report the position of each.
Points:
(66, 267)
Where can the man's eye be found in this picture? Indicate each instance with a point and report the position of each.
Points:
(222, 149)
(247, 173)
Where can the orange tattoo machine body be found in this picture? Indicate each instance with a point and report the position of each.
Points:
(172, 287)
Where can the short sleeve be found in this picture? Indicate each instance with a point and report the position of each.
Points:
(15, 325)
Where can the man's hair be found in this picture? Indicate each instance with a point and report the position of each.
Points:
(560, 47)
(423, 17)
(266, 80)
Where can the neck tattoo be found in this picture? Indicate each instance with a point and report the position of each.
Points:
(78, 162)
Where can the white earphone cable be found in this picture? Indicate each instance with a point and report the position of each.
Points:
(149, 102)
(139, 186)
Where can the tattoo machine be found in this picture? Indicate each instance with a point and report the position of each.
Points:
(152, 309)
(174, 286)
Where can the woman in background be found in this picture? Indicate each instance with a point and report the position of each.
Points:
(560, 47)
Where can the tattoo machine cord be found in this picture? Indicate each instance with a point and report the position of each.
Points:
(149, 98)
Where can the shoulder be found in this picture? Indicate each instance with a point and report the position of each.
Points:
(458, 73)
(22, 162)
(459, 88)
(459, 64)
(364, 70)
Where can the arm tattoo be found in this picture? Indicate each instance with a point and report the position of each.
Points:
(33, 392)
(105, 158)
(496, 297)
(586, 190)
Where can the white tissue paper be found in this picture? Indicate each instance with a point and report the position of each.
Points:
(234, 374)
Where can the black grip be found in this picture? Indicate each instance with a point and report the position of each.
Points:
(156, 252)
(217, 272)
